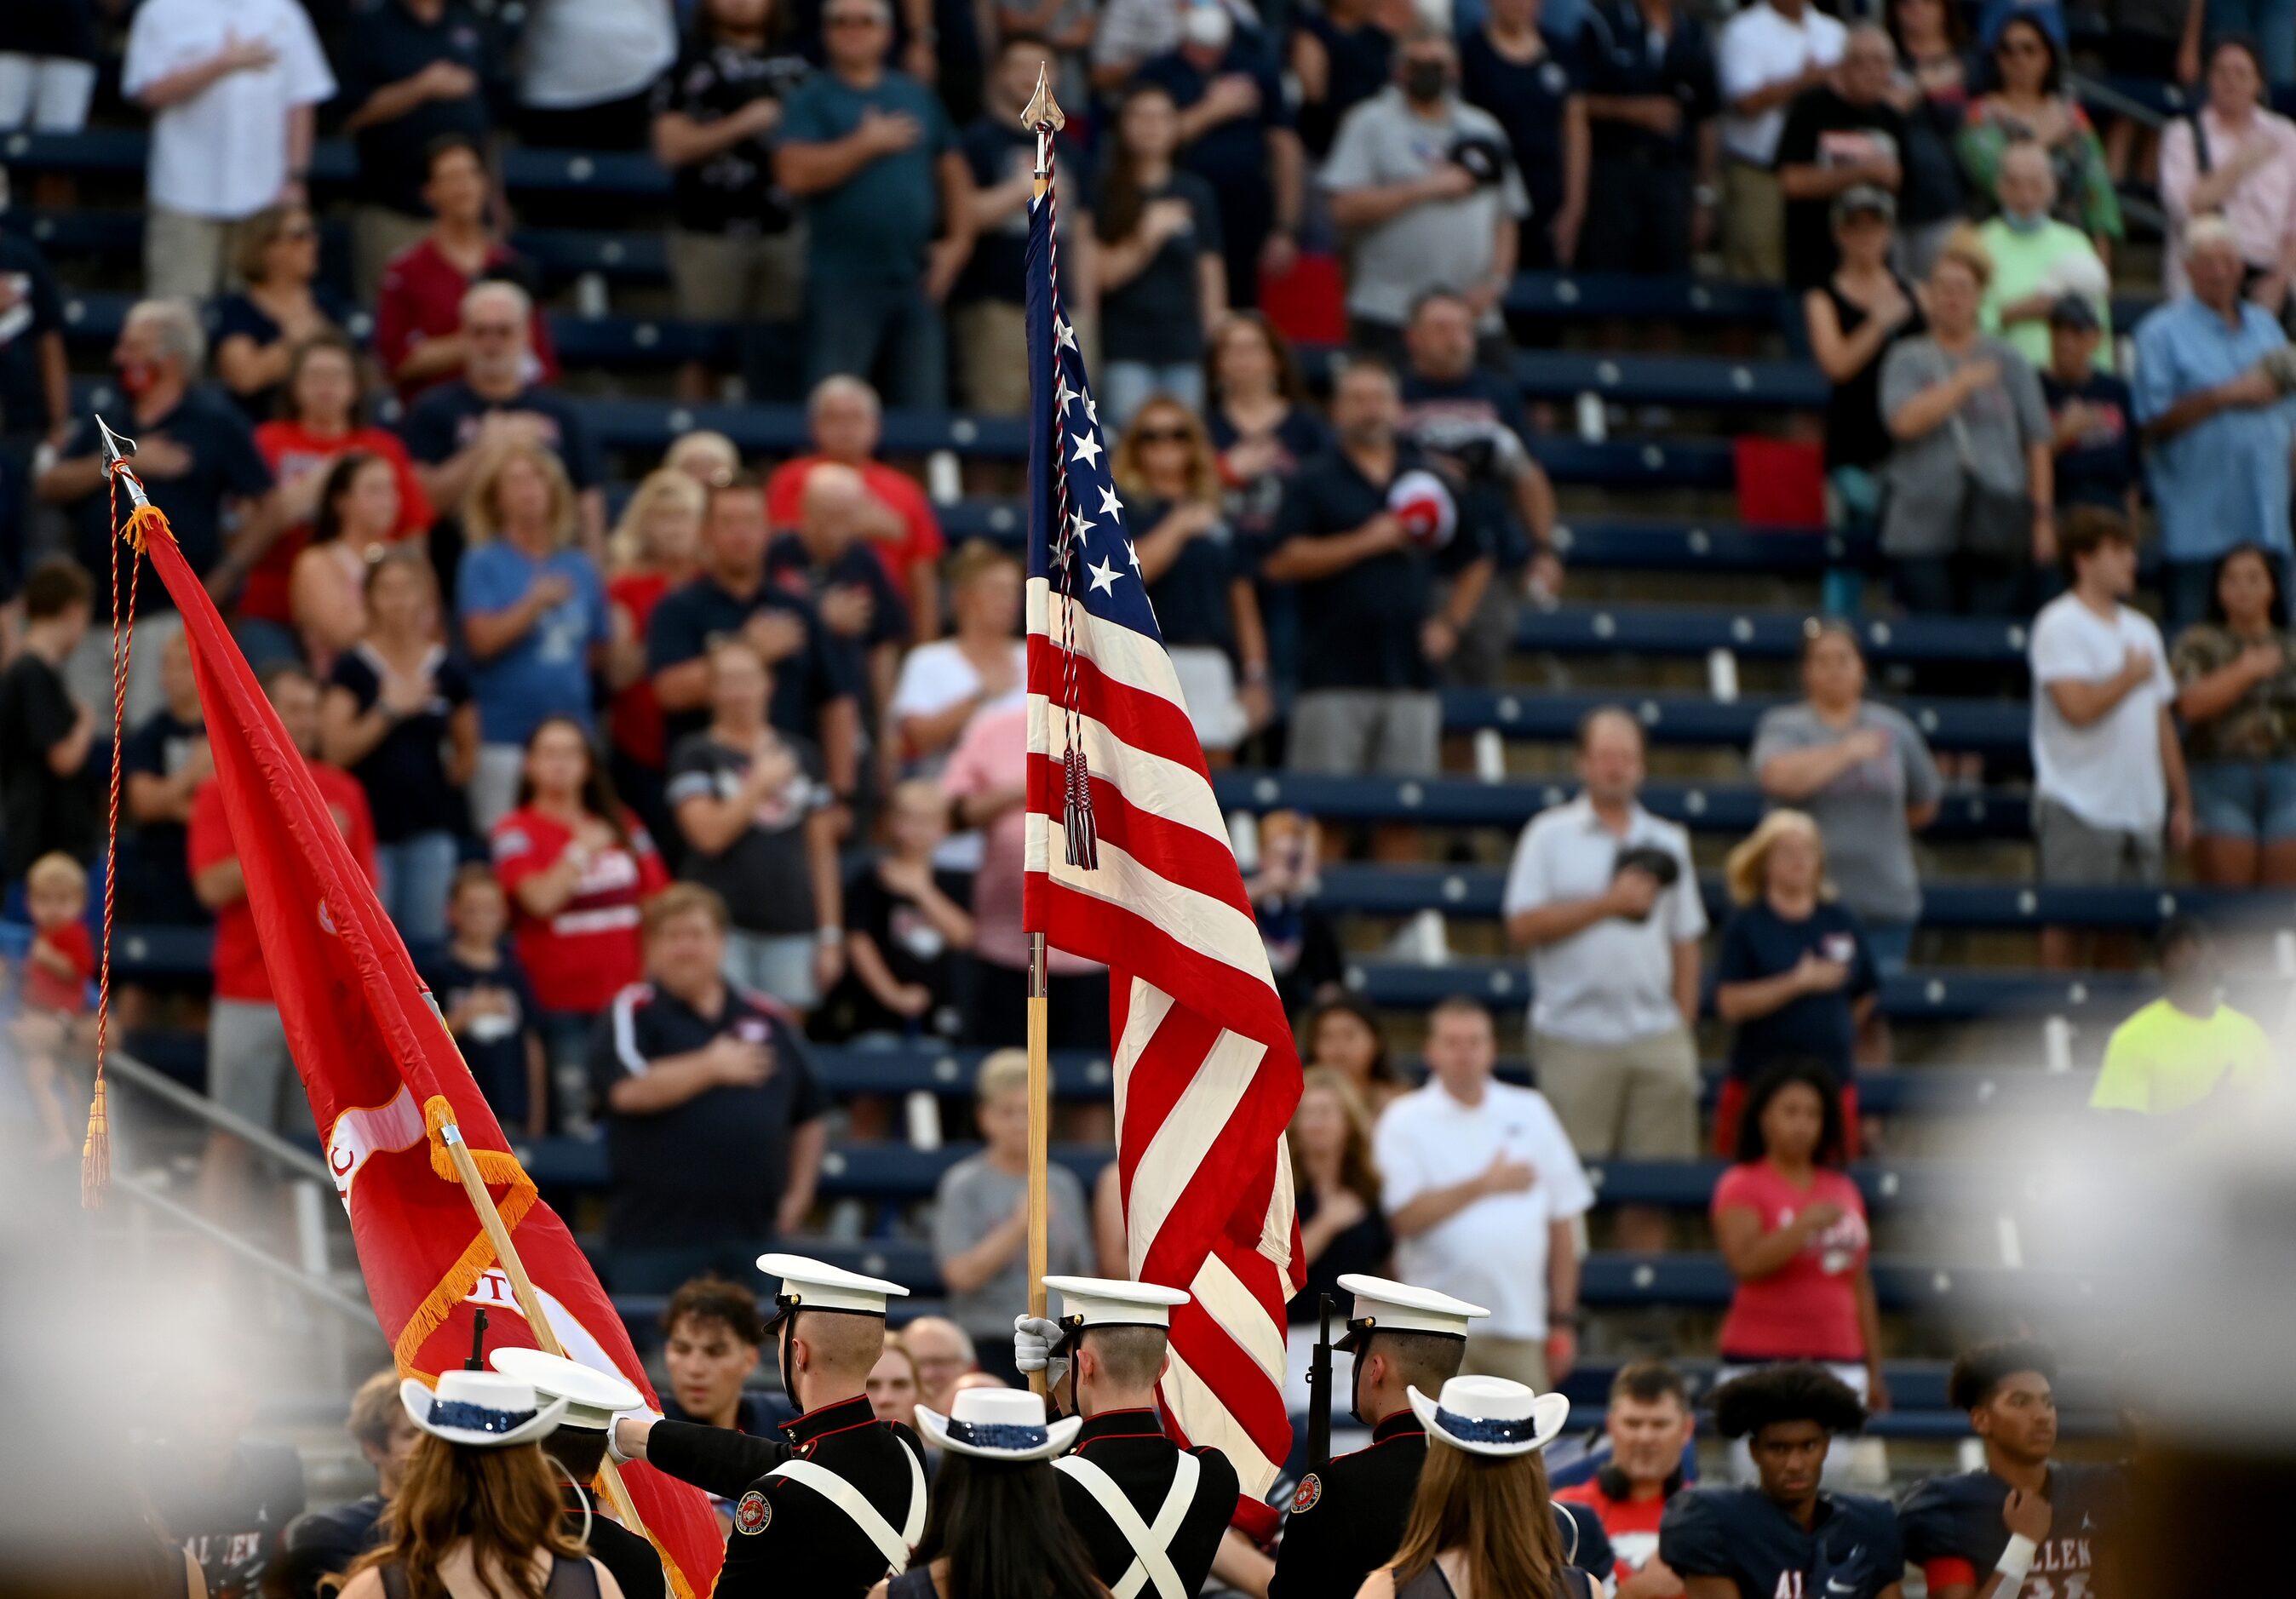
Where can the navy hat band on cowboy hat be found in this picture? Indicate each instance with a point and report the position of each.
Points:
(1491, 1415)
(998, 1423)
(480, 1410)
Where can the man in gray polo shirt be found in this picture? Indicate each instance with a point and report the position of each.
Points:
(1603, 895)
(1426, 188)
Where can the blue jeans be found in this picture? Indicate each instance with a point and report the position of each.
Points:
(2252, 800)
(2271, 23)
(887, 332)
(416, 874)
(1125, 386)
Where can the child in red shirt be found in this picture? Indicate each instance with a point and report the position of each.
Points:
(56, 973)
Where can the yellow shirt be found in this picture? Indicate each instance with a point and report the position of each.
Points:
(2163, 1060)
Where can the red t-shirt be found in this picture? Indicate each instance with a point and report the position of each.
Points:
(43, 990)
(1630, 1524)
(291, 453)
(635, 719)
(589, 950)
(1807, 1308)
(239, 970)
(899, 492)
(421, 297)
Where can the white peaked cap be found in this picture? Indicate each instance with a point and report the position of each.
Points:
(1112, 1302)
(593, 1397)
(1392, 1306)
(817, 1285)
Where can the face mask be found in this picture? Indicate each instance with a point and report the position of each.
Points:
(1208, 27)
(2025, 225)
(1425, 81)
(136, 377)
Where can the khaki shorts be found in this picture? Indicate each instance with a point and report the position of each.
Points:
(187, 256)
(992, 378)
(1753, 225)
(1522, 1359)
(1637, 1100)
(1363, 731)
(724, 279)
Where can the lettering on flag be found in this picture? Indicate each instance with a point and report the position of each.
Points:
(365, 1131)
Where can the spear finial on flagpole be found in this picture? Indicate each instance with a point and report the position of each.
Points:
(116, 451)
(1043, 111)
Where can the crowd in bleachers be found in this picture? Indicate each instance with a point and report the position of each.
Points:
(675, 757)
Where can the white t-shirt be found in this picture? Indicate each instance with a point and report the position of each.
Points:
(1493, 1253)
(2108, 774)
(578, 52)
(1611, 981)
(933, 677)
(1759, 47)
(223, 153)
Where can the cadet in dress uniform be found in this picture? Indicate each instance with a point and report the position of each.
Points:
(2044, 1526)
(1784, 1536)
(1348, 1514)
(1481, 1471)
(840, 1501)
(575, 1446)
(1152, 1513)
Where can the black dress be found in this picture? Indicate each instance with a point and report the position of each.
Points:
(1855, 433)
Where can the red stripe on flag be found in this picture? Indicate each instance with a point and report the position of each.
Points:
(1142, 718)
(1173, 850)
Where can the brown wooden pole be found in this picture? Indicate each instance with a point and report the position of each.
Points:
(545, 1338)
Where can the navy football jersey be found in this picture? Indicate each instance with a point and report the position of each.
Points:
(1952, 1528)
(1744, 1535)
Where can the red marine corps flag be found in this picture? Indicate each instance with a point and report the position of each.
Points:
(1129, 865)
(388, 1089)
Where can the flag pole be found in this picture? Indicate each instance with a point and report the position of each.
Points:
(530, 1302)
(1042, 117)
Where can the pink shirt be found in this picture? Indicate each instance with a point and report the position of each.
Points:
(2262, 210)
(992, 752)
(1807, 1308)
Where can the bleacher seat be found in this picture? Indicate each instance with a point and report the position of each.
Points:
(1476, 892)
(1935, 996)
(1985, 726)
(1725, 809)
(1677, 630)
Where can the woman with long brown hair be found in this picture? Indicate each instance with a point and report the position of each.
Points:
(1159, 272)
(1341, 1227)
(1198, 572)
(1482, 1526)
(478, 1516)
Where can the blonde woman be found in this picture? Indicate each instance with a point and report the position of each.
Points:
(1794, 976)
(1198, 572)
(533, 608)
(654, 548)
(706, 455)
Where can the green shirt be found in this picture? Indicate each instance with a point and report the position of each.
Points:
(874, 226)
(2021, 263)
(2163, 1060)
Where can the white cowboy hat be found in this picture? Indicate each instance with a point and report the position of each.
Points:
(998, 1423)
(1491, 1415)
(480, 1410)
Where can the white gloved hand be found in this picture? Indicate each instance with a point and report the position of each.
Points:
(643, 1417)
(1033, 1338)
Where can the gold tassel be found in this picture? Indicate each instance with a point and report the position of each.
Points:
(95, 1154)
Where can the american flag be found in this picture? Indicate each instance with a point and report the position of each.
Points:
(1129, 865)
